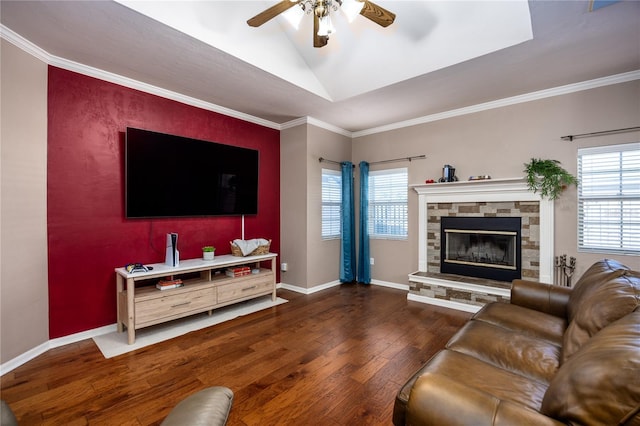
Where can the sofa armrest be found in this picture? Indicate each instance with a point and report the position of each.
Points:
(547, 298)
(438, 400)
(210, 406)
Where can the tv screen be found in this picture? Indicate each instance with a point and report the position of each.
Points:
(174, 176)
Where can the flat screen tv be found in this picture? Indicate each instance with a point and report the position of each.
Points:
(174, 176)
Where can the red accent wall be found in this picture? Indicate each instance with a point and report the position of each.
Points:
(88, 234)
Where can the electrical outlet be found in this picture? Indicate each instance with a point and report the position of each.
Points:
(371, 261)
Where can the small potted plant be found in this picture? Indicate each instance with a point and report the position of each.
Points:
(208, 252)
(548, 177)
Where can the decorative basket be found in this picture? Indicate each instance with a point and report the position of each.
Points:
(263, 249)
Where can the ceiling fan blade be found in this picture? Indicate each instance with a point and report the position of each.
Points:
(318, 41)
(377, 14)
(271, 13)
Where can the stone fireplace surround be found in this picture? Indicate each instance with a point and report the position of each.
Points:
(492, 197)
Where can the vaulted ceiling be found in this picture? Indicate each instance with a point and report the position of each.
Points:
(437, 56)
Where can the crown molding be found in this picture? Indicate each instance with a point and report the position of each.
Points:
(294, 123)
(318, 123)
(53, 60)
(24, 44)
(56, 61)
(528, 97)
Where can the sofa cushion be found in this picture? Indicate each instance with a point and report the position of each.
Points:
(439, 400)
(548, 298)
(474, 373)
(523, 320)
(603, 303)
(597, 273)
(600, 384)
(507, 349)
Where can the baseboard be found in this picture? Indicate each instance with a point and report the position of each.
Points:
(51, 344)
(89, 334)
(397, 286)
(24, 358)
(311, 290)
(444, 303)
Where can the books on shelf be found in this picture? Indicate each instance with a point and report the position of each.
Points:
(238, 271)
(169, 284)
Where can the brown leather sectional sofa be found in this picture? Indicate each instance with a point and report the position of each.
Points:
(551, 356)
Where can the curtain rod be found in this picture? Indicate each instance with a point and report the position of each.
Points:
(415, 157)
(339, 163)
(604, 132)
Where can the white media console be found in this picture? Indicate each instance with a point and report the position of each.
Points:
(206, 287)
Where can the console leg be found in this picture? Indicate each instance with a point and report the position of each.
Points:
(273, 269)
(119, 289)
(131, 331)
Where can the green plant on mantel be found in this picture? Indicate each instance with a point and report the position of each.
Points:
(548, 177)
(208, 249)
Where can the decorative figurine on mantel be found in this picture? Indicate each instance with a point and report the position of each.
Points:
(448, 174)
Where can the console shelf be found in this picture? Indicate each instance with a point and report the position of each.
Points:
(206, 287)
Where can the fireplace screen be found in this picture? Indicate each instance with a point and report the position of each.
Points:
(483, 247)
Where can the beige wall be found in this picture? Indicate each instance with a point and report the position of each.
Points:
(312, 261)
(323, 255)
(24, 315)
(293, 205)
(497, 143)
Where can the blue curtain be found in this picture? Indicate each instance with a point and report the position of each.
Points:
(348, 244)
(364, 267)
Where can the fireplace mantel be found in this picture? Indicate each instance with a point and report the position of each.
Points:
(490, 190)
(508, 189)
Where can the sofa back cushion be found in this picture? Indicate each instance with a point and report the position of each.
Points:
(597, 273)
(600, 384)
(606, 303)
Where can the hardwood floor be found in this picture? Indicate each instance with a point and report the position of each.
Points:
(336, 357)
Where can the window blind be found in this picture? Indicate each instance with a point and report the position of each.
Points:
(388, 204)
(331, 203)
(609, 199)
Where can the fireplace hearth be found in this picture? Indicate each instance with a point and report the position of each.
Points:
(482, 247)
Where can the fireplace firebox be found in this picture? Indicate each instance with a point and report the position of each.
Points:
(483, 247)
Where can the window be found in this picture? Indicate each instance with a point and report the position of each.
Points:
(331, 202)
(609, 199)
(388, 204)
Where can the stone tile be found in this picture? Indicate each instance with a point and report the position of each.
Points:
(469, 209)
(529, 208)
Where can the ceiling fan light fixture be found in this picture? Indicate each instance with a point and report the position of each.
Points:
(321, 12)
(351, 9)
(326, 26)
(320, 8)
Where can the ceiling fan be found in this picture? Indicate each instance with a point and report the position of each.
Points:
(321, 9)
